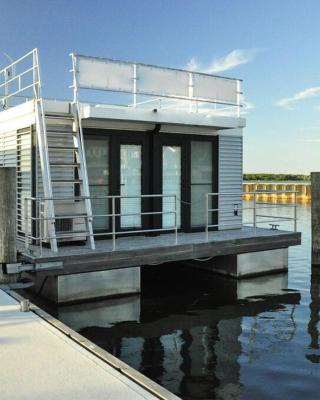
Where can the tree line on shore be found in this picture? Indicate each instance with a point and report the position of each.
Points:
(275, 177)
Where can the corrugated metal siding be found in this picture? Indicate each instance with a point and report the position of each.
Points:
(15, 151)
(8, 149)
(24, 177)
(230, 181)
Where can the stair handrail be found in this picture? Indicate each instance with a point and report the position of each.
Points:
(76, 111)
(43, 148)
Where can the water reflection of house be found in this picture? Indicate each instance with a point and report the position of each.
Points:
(190, 346)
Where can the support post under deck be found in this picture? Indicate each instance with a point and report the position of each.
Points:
(8, 229)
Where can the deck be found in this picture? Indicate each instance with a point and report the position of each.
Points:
(57, 361)
(147, 250)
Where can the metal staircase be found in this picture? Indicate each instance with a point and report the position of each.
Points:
(61, 171)
(69, 173)
(63, 166)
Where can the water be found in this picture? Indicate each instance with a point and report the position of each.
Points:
(205, 337)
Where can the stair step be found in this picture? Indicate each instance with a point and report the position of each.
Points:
(66, 180)
(75, 165)
(62, 133)
(75, 215)
(63, 147)
(75, 199)
(59, 116)
(66, 234)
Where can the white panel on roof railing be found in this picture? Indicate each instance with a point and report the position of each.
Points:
(161, 81)
(212, 88)
(101, 74)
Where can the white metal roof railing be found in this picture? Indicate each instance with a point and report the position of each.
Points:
(20, 80)
(170, 88)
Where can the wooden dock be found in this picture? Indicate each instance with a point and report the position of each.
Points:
(41, 358)
(147, 250)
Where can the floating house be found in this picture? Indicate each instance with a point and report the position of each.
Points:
(145, 158)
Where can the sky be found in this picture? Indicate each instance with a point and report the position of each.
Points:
(270, 44)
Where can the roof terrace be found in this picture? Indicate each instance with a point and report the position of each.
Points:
(114, 89)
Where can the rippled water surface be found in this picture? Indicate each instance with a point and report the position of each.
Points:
(206, 337)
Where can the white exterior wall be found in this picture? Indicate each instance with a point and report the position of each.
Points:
(15, 151)
(8, 149)
(230, 178)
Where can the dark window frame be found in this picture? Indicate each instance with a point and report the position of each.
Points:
(151, 174)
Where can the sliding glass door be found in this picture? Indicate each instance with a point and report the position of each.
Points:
(131, 182)
(97, 157)
(171, 184)
(201, 180)
(187, 168)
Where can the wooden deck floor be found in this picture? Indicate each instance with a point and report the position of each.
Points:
(146, 250)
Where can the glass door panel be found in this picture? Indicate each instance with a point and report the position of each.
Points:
(201, 180)
(131, 162)
(97, 157)
(171, 184)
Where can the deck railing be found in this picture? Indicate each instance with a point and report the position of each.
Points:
(20, 80)
(157, 87)
(37, 225)
(41, 232)
(258, 218)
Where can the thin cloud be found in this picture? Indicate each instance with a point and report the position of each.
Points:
(288, 102)
(229, 61)
(309, 140)
(309, 128)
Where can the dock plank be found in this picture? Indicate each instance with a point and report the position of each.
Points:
(39, 361)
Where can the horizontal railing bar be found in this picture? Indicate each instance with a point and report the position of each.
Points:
(221, 225)
(275, 207)
(146, 196)
(82, 233)
(274, 220)
(276, 204)
(145, 230)
(226, 194)
(274, 216)
(18, 60)
(20, 90)
(271, 192)
(146, 101)
(166, 96)
(99, 197)
(16, 77)
(97, 216)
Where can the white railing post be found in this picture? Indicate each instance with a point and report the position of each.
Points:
(26, 235)
(238, 98)
(191, 86)
(207, 216)
(113, 212)
(6, 89)
(134, 89)
(42, 224)
(175, 219)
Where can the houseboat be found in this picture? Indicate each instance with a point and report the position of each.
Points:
(149, 172)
